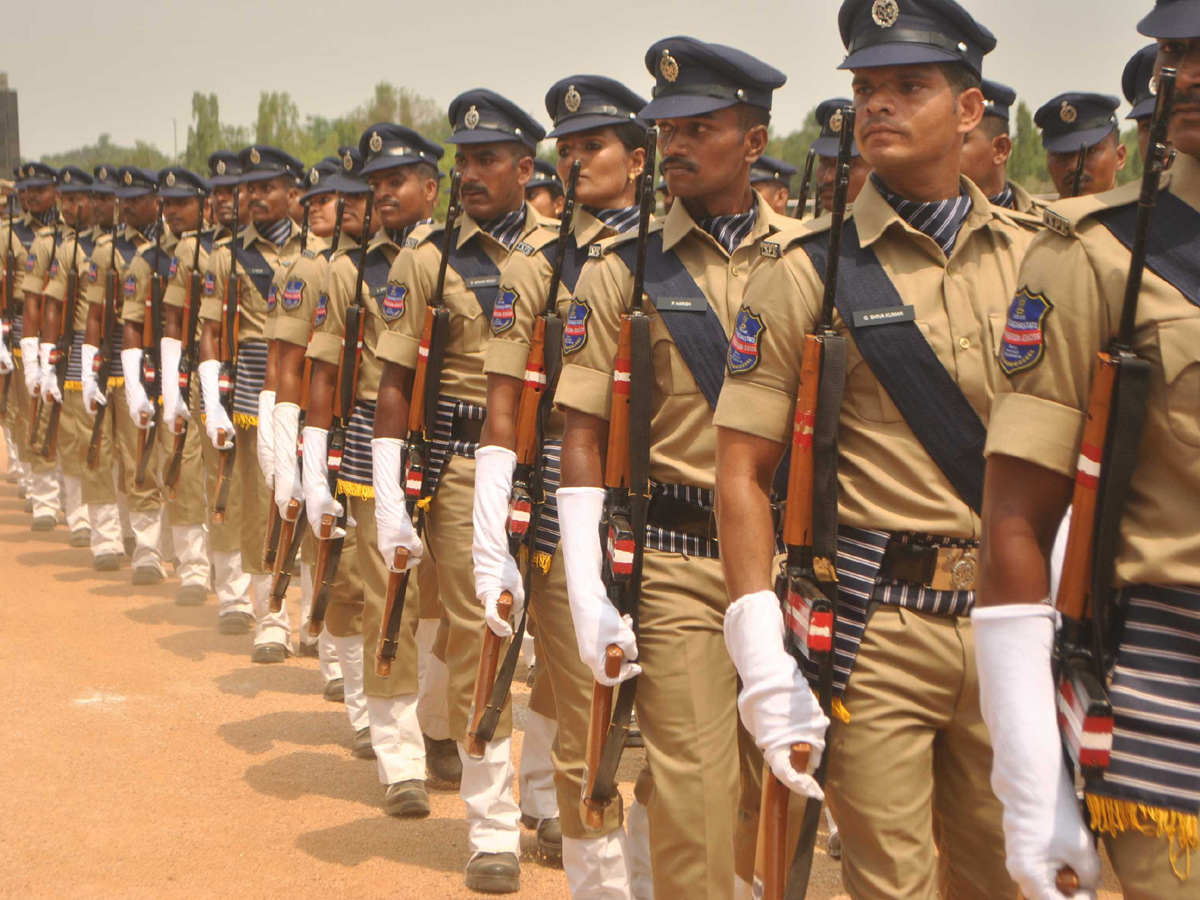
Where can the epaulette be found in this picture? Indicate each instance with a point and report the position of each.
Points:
(783, 240)
(1029, 221)
(1065, 216)
(609, 244)
(423, 234)
(308, 254)
(536, 240)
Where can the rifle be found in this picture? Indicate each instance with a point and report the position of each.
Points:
(102, 365)
(329, 548)
(524, 511)
(627, 495)
(427, 384)
(62, 351)
(227, 378)
(151, 358)
(1080, 160)
(1111, 435)
(187, 364)
(35, 411)
(807, 582)
(806, 184)
(9, 313)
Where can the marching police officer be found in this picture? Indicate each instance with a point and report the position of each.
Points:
(1137, 83)
(545, 190)
(987, 149)
(773, 178)
(829, 117)
(1074, 123)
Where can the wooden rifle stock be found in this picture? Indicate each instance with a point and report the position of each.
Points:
(598, 720)
(292, 532)
(386, 649)
(151, 359)
(228, 355)
(325, 541)
(489, 660)
(224, 462)
(191, 314)
(770, 863)
(274, 536)
(1066, 881)
(102, 364)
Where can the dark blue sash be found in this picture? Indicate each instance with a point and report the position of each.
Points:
(573, 261)
(1173, 252)
(257, 269)
(478, 272)
(375, 273)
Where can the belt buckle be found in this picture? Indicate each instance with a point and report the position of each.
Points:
(956, 569)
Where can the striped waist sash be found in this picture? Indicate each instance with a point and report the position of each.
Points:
(355, 477)
(251, 373)
(74, 376)
(450, 409)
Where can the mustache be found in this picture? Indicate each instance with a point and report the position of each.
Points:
(474, 190)
(680, 162)
(1187, 97)
(877, 119)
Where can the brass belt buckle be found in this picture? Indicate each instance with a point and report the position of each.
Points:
(956, 569)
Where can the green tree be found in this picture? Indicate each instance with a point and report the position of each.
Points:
(204, 134)
(105, 151)
(1027, 165)
(278, 122)
(1133, 162)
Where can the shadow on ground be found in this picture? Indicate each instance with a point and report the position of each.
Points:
(262, 733)
(302, 773)
(171, 613)
(285, 678)
(409, 842)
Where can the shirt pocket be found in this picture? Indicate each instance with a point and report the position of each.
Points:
(1178, 344)
(998, 322)
(671, 372)
(469, 327)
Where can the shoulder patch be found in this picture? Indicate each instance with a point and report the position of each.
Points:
(1024, 340)
(769, 249)
(272, 297)
(411, 243)
(1056, 223)
(30, 262)
(293, 293)
(54, 268)
(322, 311)
(130, 285)
(748, 331)
(504, 314)
(210, 284)
(93, 272)
(526, 248)
(575, 331)
(392, 303)
(595, 251)
(174, 267)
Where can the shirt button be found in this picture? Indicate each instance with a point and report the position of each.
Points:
(965, 343)
(736, 271)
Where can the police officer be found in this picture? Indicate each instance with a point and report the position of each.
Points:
(1143, 803)
(545, 190)
(773, 178)
(267, 184)
(712, 106)
(495, 144)
(1074, 122)
(1136, 83)
(829, 117)
(987, 149)
(923, 240)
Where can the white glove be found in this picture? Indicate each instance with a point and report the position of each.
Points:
(266, 436)
(495, 569)
(1043, 826)
(93, 397)
(33, 371)
(285, 421)
(6, 359)
(51, 392)
(392, 522)
(318, 500)
(215, 417)
(776, 703)
(597, 622)
(172, 400)
(135, 392)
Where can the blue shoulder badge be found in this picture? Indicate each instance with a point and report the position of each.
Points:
(130, 285)
(210, 284)
(392, 303)
(322, 310)
(272, 297)
(54, 268)
(293, 293)
(575, 331)
(744, 347)
(93, 272)
(504, 314)
(30, 262)
(1024, 338)
(174, 267)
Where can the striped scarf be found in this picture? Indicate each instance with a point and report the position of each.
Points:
(506, 228)
(730, 231)
(939, 219)
(1007, 198)
(620, 219)
(277, 232)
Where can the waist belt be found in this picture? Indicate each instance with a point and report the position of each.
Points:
(466, 431)
(454, 417)
(677, 514)
(680, 520)
(942, 568)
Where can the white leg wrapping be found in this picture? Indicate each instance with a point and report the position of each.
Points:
(233, 585)
(191, 551)
(529, 649)
(833, 829)
(43, 491)
(147, 532)
(328, 657)
(306, 602)
(123, 508)
(597, 867)
(349, 652)
(76, 510)
(538, 797)
(396, 738)
(433, 699)
(493, 819)
(641, 879)
(106, 529)
(10, 452)
(742, 890)
(270, 627)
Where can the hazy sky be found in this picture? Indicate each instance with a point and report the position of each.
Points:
(81, 68)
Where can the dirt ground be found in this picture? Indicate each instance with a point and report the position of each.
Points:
(145, 757)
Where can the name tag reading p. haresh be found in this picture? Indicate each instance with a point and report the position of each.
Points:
(681, 304)
(888, 315)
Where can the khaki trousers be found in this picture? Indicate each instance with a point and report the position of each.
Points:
(74, 433)
(1143, 866)
(374, 575)
(148, 497)
(250, 500)
(20, 405)
(99, 487)
(910, 772)
(188, 506)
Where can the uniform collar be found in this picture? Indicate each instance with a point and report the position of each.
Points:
(873, 215)
(679, 224)
(469, 228)
(587, 228)
(250, 234)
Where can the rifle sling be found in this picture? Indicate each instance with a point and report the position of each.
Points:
(927, 396)
(1173, 249)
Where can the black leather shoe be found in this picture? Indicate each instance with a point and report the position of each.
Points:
(308, 650)
(130, 545)
(191, 595)
(493, 873)
(266, 654)
(235, 623)
(335, 690)
(43, 523)
(407, 800)
(549, 840)
(106, 562)
(147, 575)
(80, 537)
(835, 845)
(442, 760)
(360, 747)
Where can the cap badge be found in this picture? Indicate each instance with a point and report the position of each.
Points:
(255, 156)
(220, 167)
(835, 121)
(348, 162)
(885, 13)
(668, 66)
(376, 142)
(1068, 113)
(66, 177)
(313, 177)
(170, 179)
(471, 119)
(572, 100)
(1153, 85)
(129, 178)
(103, 174)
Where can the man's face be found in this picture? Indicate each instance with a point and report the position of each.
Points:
(39, 199)
(77, 209)
(1100, 167)
(493, 178)
(222, 204)
(545, 201)
(182, 213)
(827, 175)
(1184, 56)
(707, 154)
(270, 200)
(403, 195)
(322, 214)
(985, 158)
(139, 212)
(908, 117)
(1143, 127)
(774, 193)
(103, 207)
(354, 207)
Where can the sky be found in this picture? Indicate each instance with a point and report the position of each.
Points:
(82, 68)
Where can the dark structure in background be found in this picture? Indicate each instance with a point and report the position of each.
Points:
(10, 137)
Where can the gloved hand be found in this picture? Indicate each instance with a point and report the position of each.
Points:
(266, 436)
(597, 622)
(51, 389)
(173, 406)
(776, 703)
(288, 484)
(33, 369)
(215, 417)
(1043, 826)
(6, 359)
(93, 397)
(318, 500)
(495, 569)
(135, 393)
(392, 522)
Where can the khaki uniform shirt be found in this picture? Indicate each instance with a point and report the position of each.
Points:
(180, 277)
(414, 274)
(136, 290)
(683, 441)
(102, 257)
(56, 286)
(302, 288)
(1079, 268)
(20, 251)
(887, 479)
(40, 259)
(252, 305)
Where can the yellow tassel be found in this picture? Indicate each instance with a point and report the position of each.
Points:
(350, 489)
(116, 383)
(1182, 830)
(542, 560)
(424, 503)
(73, 386)
(839, 710)
(245, 420)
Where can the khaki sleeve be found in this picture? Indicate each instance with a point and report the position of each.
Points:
(766, 349)
(134, 290)
(37, 264)
(179, 279)
(297, 301)
(410, 284)
(56, 286)
(524, 282)
(212, 289)
(590, 336)
(93, 286)
(330, 333)
(1056, 325)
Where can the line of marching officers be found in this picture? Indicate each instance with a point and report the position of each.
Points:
(245, 436)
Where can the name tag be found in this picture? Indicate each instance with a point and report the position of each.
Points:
(486, 281)
(680, 304)
(889, 315)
